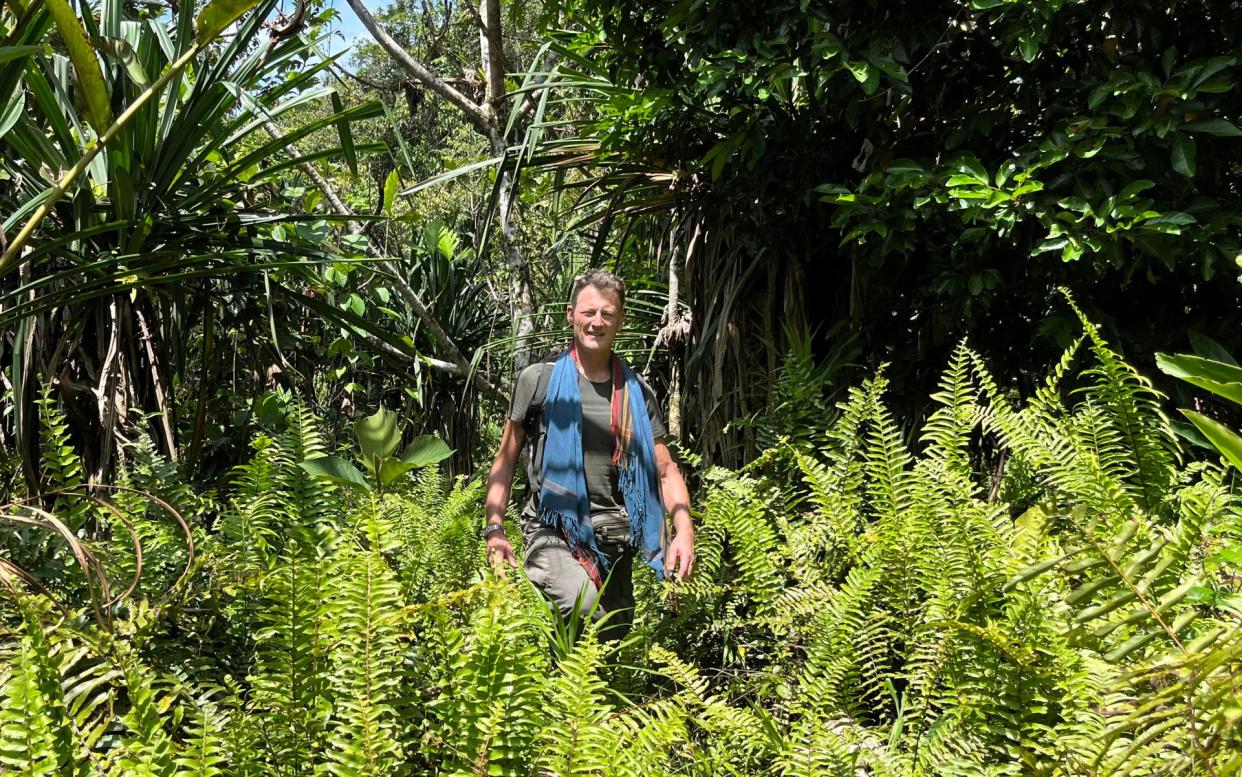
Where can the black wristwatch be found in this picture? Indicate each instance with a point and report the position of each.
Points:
(492, 528)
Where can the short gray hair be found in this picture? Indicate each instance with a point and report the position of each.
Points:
(601, 279)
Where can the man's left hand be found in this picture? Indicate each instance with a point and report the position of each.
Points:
(679, 557)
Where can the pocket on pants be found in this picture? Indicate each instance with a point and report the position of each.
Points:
(541, 549)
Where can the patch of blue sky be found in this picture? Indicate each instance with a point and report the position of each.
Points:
(346, 28)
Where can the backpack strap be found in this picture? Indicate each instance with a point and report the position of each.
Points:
(532, 421)
(534, 411)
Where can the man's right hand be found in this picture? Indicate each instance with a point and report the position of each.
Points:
(499, 550)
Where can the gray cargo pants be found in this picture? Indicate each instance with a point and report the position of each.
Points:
(551, 566)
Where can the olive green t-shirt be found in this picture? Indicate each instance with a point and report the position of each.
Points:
(601, 474)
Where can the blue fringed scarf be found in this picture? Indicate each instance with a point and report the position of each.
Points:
(563, 500)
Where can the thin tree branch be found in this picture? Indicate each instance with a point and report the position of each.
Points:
(340, 71)
(456, 359)
(329, 193)
(439, 364)
(476, 114)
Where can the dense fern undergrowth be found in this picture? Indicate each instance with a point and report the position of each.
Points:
(862, 606)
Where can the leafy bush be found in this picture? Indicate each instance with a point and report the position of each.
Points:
(861, 606)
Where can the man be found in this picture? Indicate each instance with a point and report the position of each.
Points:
(601, 476)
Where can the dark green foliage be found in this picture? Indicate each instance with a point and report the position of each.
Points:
(911, 172)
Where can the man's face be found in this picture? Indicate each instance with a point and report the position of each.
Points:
(596, 319)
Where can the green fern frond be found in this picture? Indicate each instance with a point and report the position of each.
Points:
(814, 749)
(576, 736)
(205, 751)
(438, 527)
(833, 667)
(1149, 443)
(149, 750)
(491, 709)
(316, 509)
(37, 734)
(947, 431)
(289, 699)
(366, 606)
(60, 466)
(887, 482)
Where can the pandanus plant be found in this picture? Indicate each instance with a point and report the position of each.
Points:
(138, 176)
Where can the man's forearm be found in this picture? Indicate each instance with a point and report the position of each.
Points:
(498, 486)
(676, 498)
(500, 477)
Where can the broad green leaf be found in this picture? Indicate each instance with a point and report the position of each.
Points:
(829, 45)
(1210, 349)
(1215, 127)
(378, 436)
(390, 191)
(337, 470)
(425, 451)
(1229, 555)
(860, 70)
(391, 469)
(1210, 68)
(1222, 438)
(1135, 188)
(1222, 379)
(904, 167)
(91, 85)
(1028, 47)
(1184, 156)
(217, 16)
(968, 165)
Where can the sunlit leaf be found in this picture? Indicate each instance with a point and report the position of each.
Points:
(1222, 437)
(12, 111)
(390, 191)
(91, 85)
(1218, 377)
(1219, 127)
(425, 451)
(337, 470)
(378, 436)
(217, 16)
